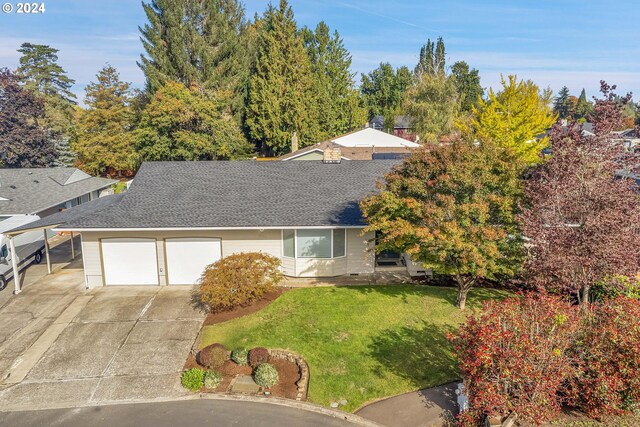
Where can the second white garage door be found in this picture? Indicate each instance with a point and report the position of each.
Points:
(187, 258)
(130, 261)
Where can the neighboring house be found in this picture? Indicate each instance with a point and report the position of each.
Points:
(400, 123)
(362, 144)
(45, 191)
(402, 127)
(178, 217)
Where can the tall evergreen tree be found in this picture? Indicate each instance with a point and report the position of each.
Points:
(337, 98)
(40, 73)
(426, 61)
(23, 142)
(104, 139)
(562, 104)
(281, 92)
(467, 83)
(583, 107)
(195, 42)
(440, 58)
(65, 156)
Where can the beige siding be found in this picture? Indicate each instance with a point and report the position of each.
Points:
(289, 266)
(233, 241)
(357, 261)
(360, 254)
(308, 267)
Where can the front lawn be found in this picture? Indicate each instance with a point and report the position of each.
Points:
(361, 343)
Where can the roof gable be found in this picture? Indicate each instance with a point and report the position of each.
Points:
(32, 190)
(369, 137)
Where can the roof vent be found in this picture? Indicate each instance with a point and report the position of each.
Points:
(331, 155)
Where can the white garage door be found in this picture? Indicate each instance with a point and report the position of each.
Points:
(187, 257)
(130, 261)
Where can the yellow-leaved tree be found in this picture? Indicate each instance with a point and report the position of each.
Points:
(515, 117)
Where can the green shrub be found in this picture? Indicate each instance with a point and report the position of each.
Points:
(238, 279)
(258, 356)
(240, 356)
(192, 379)
(266, 375)
(213, 356)
(212, 379)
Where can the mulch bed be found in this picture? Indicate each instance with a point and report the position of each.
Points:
(268, 298)
(288, 374)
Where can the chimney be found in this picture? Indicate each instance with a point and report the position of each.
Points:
(331, 155)
(294, 142)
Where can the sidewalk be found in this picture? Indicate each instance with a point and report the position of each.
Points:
(432, 407)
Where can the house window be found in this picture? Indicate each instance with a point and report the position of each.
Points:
(314, 243)
(339, 241)
(288, 243)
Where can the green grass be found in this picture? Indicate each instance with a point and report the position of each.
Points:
(361, 343)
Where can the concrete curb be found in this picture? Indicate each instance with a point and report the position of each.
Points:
(304, 406)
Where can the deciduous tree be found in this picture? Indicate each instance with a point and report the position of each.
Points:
(516, 355)
(104, 137)
(433, 103)
(23, 141)
(467, 82)
(514, 118)
(181, 123)
(383, 91)
(580, 219)
(452, 208)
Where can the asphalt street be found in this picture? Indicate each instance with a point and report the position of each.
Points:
(192, 412)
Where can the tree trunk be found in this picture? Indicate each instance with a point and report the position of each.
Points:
(461, 301)
(585, 295)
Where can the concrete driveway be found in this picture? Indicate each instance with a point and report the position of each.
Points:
(61, 346)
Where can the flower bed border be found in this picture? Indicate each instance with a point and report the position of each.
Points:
(303, 367)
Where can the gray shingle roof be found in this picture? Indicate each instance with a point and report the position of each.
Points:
(60, 218)
(32, 190)
(242, 194)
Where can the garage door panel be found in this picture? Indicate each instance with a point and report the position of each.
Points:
(130, 261)
(187, 258)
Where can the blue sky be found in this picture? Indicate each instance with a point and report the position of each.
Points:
(554, 43)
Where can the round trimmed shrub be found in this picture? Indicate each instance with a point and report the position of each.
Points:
(212, 379)
(213, 356)
(240, 356)
(238, 280)
(193, 379)
(266, 375)
(258, 356)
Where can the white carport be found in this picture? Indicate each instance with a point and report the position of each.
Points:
(14, 259)
(52, 222)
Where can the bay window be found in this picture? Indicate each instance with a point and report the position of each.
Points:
(314, 243)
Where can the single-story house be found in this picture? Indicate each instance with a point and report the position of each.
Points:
(178, 217)
(362, 144)
(45, 191)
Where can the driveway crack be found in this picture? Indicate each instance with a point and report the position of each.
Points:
(124, 341)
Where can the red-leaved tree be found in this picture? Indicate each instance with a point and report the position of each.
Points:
(580, 218)
(515, 355)
(609, 351)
